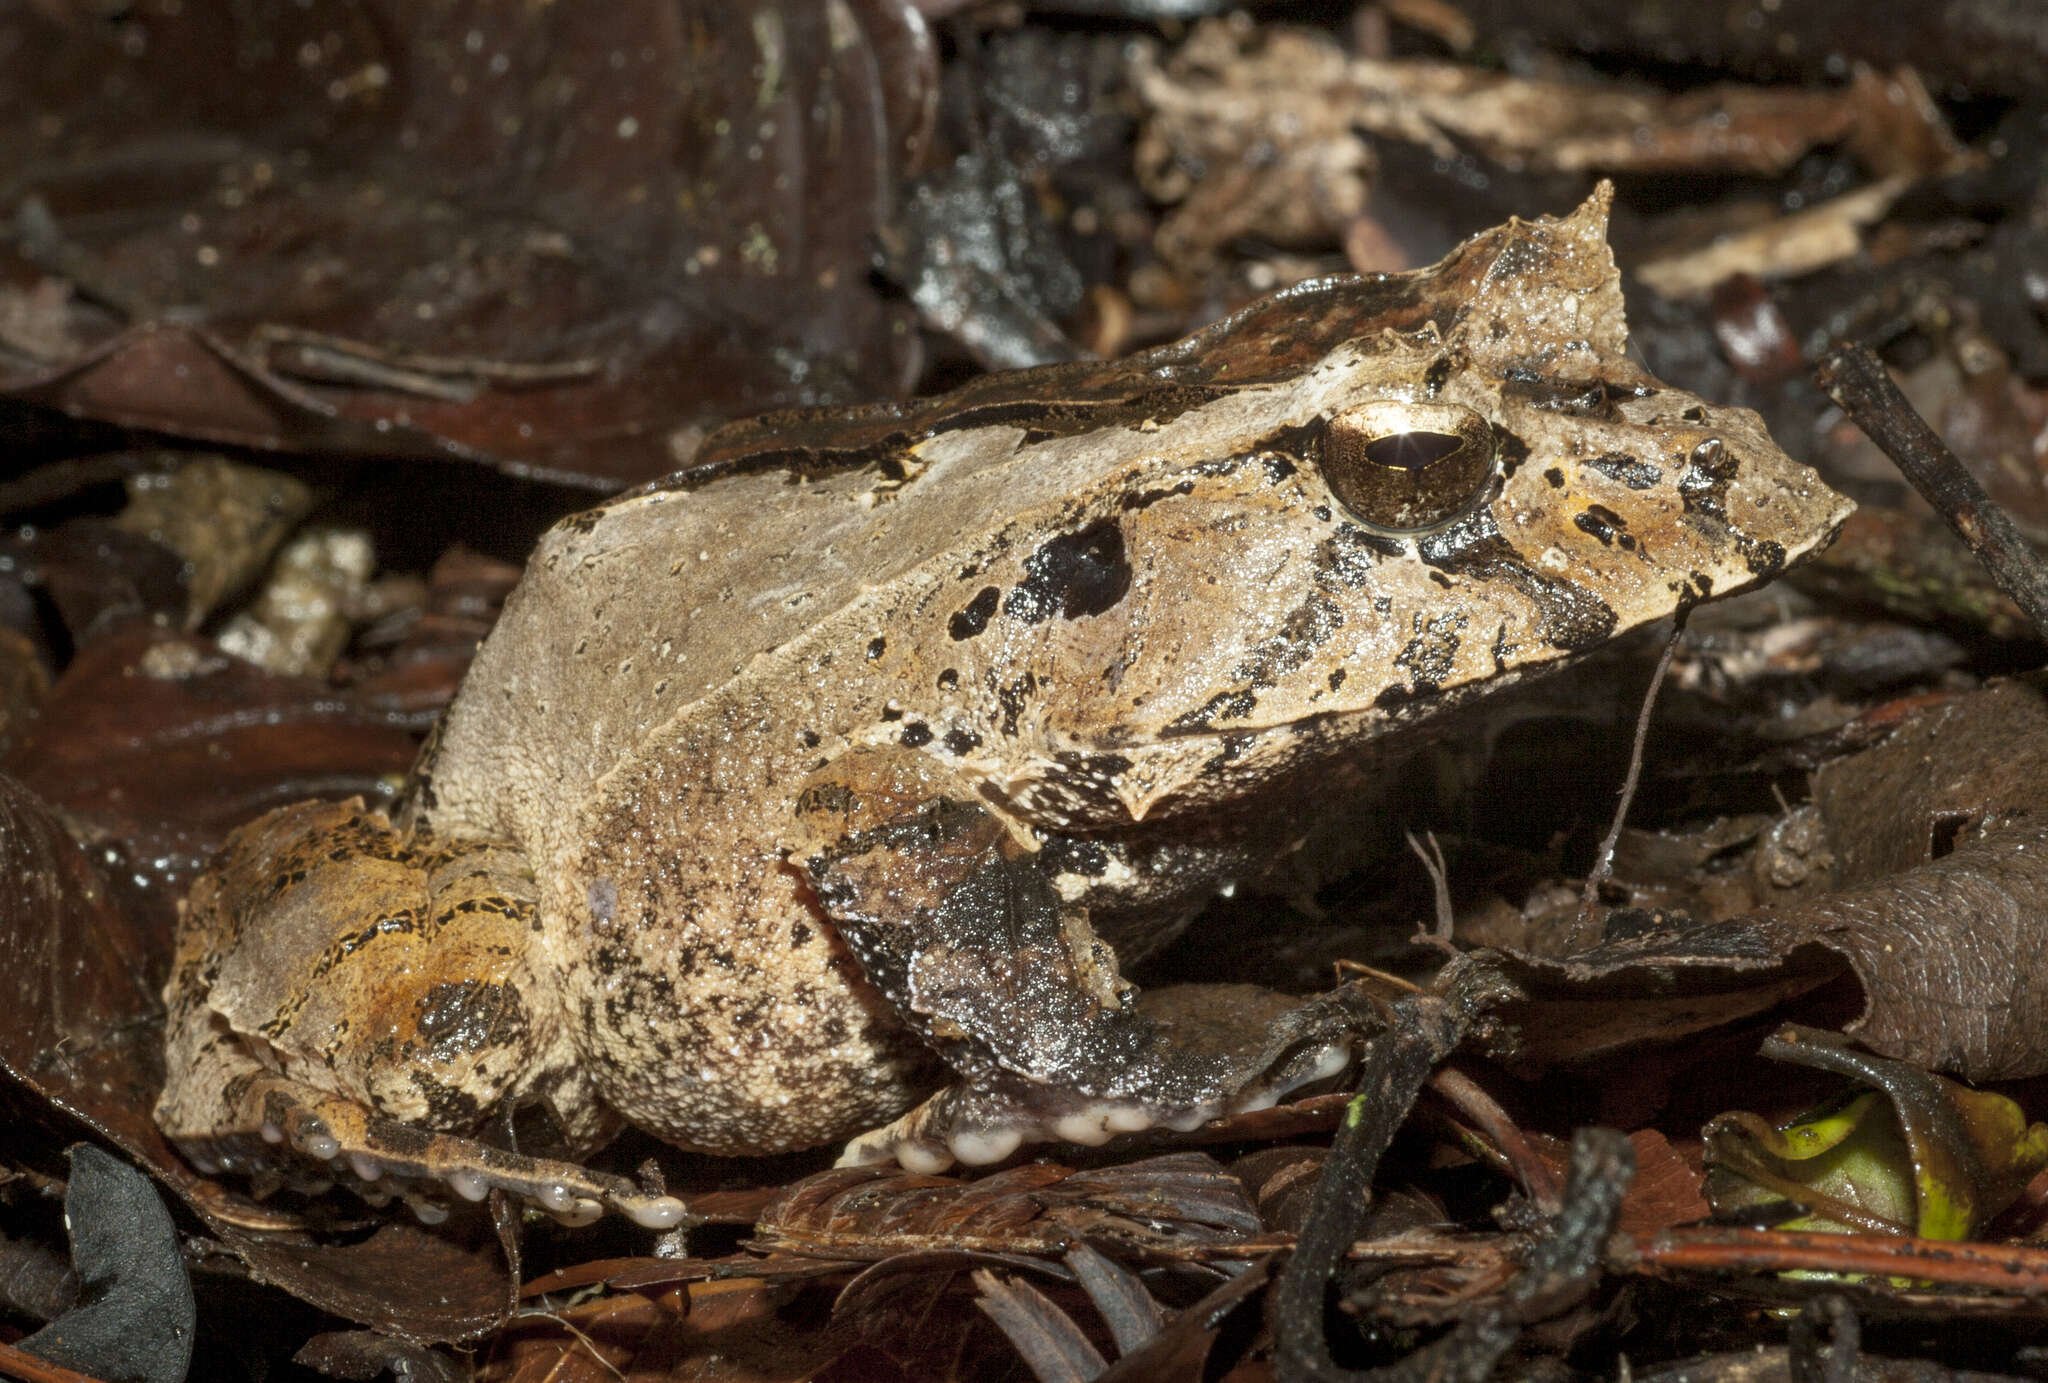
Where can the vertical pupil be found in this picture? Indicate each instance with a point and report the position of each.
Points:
(1411, 451)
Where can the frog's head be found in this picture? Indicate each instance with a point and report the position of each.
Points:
(1372, 523)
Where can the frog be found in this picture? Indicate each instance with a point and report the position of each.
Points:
(822, 793)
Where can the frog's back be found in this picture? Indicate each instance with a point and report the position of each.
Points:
(634, 616)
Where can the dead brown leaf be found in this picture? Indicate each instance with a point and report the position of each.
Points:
(564, 241)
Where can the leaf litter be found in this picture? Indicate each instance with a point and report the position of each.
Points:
(1837, 822)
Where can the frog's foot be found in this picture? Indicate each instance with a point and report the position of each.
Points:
(1252, 1062)
(282, 1131)
(962, 926)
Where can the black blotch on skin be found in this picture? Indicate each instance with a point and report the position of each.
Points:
(469, 1016)
(799, 935)
(1278, 467)
(960, 741)
(1337, 679)
(1630, 471)
(1074, 574)
(1764, 558)
(1434, 378)
(1089, 779)
(1511, 450)
(1600, 522)
(1086, 858)
(877, 646)
(971, 619)
(1230, 705)
(948, 679)
(1555, 477)
(916, 734)
(447, 1107)
(1703, 487)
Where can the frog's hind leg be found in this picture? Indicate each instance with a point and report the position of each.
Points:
(364, 1001)
(963, 928)
(386, 1158)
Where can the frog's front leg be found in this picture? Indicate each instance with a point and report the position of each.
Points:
(959, 923)
(364, 1000)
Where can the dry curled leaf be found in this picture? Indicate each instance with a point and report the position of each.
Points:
(1259, 130)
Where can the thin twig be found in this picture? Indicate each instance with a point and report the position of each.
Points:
(1856, 379)
(1603, 864)
(19, 1363)
(1999, 1269)
(1432, 859)
(1396, 1064)
(1540, 1183)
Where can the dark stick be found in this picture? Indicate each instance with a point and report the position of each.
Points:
(1396, 1064)
(1856, 379)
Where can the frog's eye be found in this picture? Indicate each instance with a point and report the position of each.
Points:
(1407, 467)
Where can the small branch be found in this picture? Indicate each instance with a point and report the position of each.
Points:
(1857, 380)
(1396, 1064)
(2003, 1270)
(1432, 857)
(1603, 864)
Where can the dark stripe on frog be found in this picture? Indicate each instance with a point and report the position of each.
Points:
(1230, 705)
(403, 922)
(1586, 398)
(1572, 618)
(1307, 627)
(1267, 341)
(813, 443)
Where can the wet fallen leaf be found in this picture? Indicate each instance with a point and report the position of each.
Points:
(565, 244)
(166, 744)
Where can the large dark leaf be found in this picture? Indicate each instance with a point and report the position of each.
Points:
(563, 238)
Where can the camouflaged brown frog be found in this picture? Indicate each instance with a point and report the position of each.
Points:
(822, 791)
